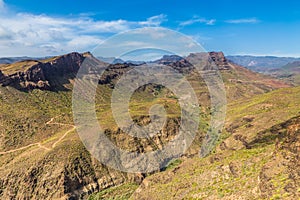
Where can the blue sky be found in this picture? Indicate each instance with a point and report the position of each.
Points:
(40, 28)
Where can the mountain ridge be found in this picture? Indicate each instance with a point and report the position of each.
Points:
(43, 159)
(37, 74)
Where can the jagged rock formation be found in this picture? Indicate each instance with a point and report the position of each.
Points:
(220, 60)
(212, 59)
(114, 72)
(39, 73)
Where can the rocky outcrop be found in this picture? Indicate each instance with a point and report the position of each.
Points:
(30, 79)
(66, 64)
(40, 74)
(211, 58)
(220, 60)
(114, 72)
(209, 61)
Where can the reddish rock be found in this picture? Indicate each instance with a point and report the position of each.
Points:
(220, 60)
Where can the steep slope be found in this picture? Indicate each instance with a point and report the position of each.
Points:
(31, 74)
(41, 155)
(259, 158)
(242, 82)
(239, 81)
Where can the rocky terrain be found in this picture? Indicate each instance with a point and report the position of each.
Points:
(42, 156)
(31, 74)
(257, 158)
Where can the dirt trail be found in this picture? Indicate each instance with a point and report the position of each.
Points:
(39, 144)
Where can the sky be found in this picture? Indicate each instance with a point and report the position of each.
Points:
(44, 28)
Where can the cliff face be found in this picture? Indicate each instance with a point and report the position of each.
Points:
(32, 78)
(220, 60)
(180, 63)
(66, 64)
(39, 74)
(4, 80)
(209, 60)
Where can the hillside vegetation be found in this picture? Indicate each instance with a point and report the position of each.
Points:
(257, 159)
(42, 156)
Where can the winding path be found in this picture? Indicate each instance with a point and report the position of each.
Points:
(39, 144)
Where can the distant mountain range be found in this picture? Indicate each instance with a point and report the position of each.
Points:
(255, 63)
(10, 60)
(113, 60)
(262, 63)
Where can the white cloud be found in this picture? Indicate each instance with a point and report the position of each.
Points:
(243, 21)
(195, 20)
(41, 35)
(155, 20)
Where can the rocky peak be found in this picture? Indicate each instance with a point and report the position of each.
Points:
(217, 58)
(220, 60)
(62, 65)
